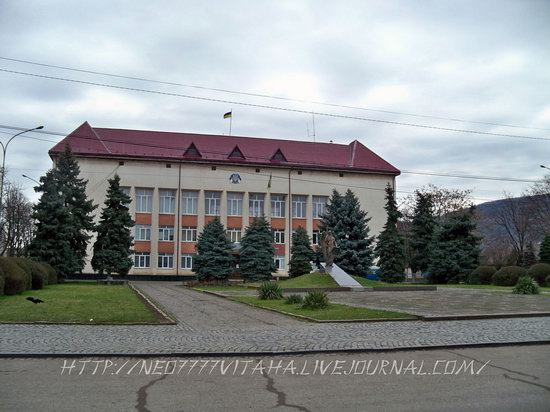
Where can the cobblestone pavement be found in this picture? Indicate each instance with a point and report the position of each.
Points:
(207, 324)
(447, 302)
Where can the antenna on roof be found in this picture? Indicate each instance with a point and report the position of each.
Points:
(307, 124)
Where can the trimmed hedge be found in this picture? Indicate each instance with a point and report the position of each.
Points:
(539, 272)
(52, 274)
(508, 275)
(482, 275)
(15, 278)
(39, 275)
(548, 281)
(25, 265)
(1, 282)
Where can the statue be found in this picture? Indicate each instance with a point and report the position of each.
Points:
(328, 244)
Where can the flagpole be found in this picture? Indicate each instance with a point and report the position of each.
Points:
(230, 121)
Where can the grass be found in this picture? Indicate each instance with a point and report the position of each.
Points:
(310, 280)
(77, 303)
(333, 312)
(493, 287)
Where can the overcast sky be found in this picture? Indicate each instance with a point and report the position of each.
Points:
(481, 61)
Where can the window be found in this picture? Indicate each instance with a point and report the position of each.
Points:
(187, 261)
(167, 201)
(299, 206)
(142, 260)
(319, 203)
(279, 262)
(234, 235)
(316, 238)
(277, 205)
(256, 204)
(143, 232)
(212, 203)
(188, 234)
(278, 236)
(234, 204)
(189, 202)
(166, 261)
(144, 200)
(166, 233)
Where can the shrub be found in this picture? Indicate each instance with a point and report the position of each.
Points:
(508, 275)
(539, 272)
(26, 267)
(316, 299)
(270, 291)
(1, 282)
(294, 299)
(52, 274)
(526, 286)
(39, 274)
(547, 280)
(481, 275)
(15, 279)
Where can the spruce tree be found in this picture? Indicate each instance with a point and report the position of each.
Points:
(256, 262)
(332, 218)
(113, 246)
(73, 191)
(214, 259)
(355, 247)
(544, 253)
(422, 230)
(454, 250)
(390, 248)
(53, 228)
(301, 253)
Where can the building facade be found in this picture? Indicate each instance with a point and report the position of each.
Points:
(178, 182)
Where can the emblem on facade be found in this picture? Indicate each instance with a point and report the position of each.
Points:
(235, 178)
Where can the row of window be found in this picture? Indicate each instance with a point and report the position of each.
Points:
(189, 234)
(142, 260)
(212, 201)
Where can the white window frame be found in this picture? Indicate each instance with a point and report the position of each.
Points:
(234, 204)
(189, 202)
(299, 206)
(316, 238)
(212, 201)
(278, 236)
(167, 201)
(165, 261)
(142, 232)
(188, 234)
(234, 235)
(278, 205)
(166, 233)
(142, 260)
(144, 200)
(319, 204)
(279, 263)
(187, 258)
(256, 204)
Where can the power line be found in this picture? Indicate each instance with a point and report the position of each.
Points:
(288, 99)
(259, 158)
(269, 107)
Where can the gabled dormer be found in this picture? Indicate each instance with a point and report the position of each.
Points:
(236, 153)
(278, 156)
(192, 152)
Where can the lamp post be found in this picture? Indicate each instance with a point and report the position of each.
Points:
(30, 178)
(545, 167)
(4, 149)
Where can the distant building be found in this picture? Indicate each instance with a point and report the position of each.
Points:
(180, 181)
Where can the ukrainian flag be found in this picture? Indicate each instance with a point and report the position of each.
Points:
(227, 115)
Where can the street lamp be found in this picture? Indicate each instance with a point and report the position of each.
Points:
(4, 149)
(545, 167)
(30, 178)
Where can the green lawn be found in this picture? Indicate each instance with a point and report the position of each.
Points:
(310, 280)
(77, 302)
(333, 312)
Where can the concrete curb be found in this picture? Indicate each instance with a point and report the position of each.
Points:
(266, 353)
(155, 305)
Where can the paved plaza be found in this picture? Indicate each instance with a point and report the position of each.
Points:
(209, 324)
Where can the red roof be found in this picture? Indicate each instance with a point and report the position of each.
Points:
(120, 143)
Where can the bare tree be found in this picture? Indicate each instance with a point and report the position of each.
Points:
(16, 222)
(538, 196)
(445, 201)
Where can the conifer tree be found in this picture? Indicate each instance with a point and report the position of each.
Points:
(301, 253)
(422, 230)
(113, 246)
(390, 248)
(332, 218)
(53, 233)
(454, 250)
(355, 246)
(544, 254)
(73, 191)
(214, 259)
(256, 261)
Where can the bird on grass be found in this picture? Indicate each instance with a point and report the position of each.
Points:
(35, 301)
